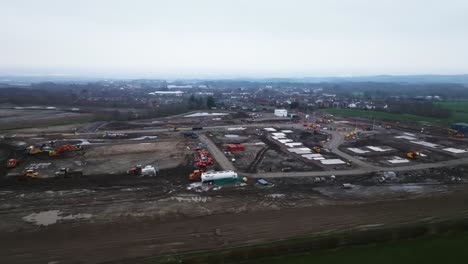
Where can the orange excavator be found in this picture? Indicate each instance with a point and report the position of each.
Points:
(413, 155)
(61, 149)
(195, 175)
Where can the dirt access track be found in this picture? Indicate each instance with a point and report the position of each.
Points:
(135, 237)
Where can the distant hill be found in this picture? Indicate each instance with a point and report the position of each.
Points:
(460, 79)
(412, 79)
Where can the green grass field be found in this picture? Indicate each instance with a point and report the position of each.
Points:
(382, 115)
(459, 109)
(439, 249)
(457, 106)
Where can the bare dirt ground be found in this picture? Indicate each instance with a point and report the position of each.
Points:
(129, 220)
(108, 216)
(110, 156)
(181, 120)
(51, 129)
(10, 118)
(126, 148)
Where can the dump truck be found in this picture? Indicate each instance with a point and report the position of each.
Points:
(139, 170)
(68, 173)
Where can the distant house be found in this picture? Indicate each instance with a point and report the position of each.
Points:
(281, 112)
(173, 86)
(174, 93)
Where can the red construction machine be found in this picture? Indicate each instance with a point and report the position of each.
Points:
(61, 149)
(235, 147)
(12, 163)
(203, 158)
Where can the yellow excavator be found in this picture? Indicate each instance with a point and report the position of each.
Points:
(33, 150)
(350, 134)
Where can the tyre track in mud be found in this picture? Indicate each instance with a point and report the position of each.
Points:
(258, 158)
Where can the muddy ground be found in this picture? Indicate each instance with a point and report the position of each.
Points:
(107, 215)
(178, 121)
(14, 118)
(58, 219)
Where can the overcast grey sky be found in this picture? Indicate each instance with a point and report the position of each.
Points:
(234, 37)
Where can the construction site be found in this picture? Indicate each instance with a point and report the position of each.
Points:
(159, 180)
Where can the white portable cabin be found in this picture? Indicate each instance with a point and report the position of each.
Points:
(281, 112)
(218, 175)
